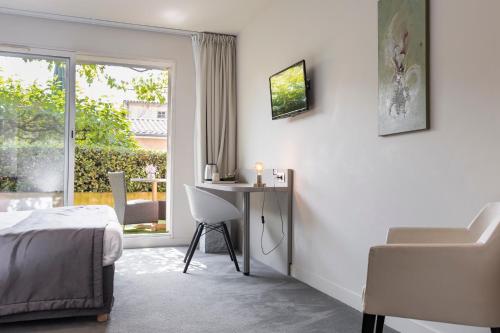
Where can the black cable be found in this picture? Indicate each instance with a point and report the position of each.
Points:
(263, 223)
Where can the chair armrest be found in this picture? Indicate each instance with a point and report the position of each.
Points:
(430, 282)
(428, 236)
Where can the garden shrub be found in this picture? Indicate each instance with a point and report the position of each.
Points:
(24, 169)
(92, 165)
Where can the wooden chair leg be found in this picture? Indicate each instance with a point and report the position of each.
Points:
(191, 244)
(102, 318)
(368, 323)
(195, 244)
(227, 243)
(380, 324)
(230, 247)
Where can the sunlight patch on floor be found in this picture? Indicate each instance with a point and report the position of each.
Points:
(154, 261)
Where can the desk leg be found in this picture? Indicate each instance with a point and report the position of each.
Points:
(246, 233)
(289, 235)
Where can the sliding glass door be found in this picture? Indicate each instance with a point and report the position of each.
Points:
(121, 125)
(34, 139)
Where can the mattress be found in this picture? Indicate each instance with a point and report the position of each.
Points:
(113, 233)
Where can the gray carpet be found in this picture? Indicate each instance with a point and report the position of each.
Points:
(152, 295)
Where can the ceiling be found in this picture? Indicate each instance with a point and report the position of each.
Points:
(222, 16)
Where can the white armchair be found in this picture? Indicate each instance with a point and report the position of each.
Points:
(437, 274)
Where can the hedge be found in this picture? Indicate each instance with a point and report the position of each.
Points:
(92, 165)
(33, 169)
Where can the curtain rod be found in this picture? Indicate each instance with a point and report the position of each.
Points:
(98, 22)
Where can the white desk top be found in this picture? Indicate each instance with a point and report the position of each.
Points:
(243, 187)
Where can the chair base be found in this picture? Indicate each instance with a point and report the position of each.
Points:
(375, 324)
(222, 228)
(372, 323)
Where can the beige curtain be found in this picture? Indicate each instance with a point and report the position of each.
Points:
(215, 128)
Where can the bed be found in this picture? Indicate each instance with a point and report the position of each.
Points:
(58, 262)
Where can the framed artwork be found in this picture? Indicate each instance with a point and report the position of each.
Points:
(402, 66)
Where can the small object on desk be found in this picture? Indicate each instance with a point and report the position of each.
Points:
(210, 169)
(259, 167)
(215, 177)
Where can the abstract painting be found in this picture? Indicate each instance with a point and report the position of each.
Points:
(402, 66)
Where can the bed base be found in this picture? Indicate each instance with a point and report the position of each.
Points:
(102, 313)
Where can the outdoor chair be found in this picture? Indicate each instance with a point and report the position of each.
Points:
(133, 211)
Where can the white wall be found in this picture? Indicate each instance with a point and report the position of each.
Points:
(350, 184)
(128, 44)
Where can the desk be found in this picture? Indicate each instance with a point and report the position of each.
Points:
(246, 189)
(154, 181)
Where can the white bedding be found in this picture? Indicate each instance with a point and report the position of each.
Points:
(113, 234)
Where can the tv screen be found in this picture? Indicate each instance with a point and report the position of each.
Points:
(289, 91)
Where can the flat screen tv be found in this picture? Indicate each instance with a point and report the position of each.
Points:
(289, 95)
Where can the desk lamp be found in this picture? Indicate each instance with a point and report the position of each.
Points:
(259, 168)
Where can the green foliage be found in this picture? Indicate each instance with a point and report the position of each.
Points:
(23, 168)
(32, 125)
(92, 165)
(151, 89)
(288, 91)
(36, 113)
(31, 114)
(101, 124)
(90, 72)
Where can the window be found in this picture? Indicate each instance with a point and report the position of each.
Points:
(117, 107)
(33, 148)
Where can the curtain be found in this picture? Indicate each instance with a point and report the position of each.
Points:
(215, 128)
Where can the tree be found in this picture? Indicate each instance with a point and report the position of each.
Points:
(151, 89)
(101, 124)
(36, 113)
(31, 114)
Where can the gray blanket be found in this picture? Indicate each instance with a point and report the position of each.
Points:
(52, 260)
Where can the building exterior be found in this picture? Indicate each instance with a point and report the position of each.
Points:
(149, 124)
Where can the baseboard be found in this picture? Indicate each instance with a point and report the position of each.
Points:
(354, 300)
(328, 287)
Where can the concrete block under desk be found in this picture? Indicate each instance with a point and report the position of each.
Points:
(214, 242)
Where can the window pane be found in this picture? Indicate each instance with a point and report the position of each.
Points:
(121, 125)
(32, 128)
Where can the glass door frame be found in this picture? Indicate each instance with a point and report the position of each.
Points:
(69, 123)
(73, 58)
(161, 239)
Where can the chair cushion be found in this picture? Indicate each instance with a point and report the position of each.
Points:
(141, 211)
(137, 201)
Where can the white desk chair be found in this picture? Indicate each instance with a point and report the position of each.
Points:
(210, 212)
